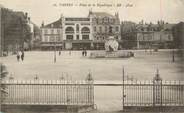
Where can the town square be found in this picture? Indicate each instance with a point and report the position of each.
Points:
(95, 57)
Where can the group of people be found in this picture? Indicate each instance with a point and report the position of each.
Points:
(20, 55)
(84, 53)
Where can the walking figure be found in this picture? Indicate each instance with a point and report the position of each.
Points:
(22, 55)
(83, 53)
(59, 53)
(18, 56)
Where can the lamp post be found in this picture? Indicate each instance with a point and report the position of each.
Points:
(123, 86)
(173, 55)
(55, 50)
(52, 34)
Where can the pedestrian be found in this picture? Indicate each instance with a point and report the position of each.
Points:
(85, 52)
(70, 52)
(22, 55)
(59, 53)
(18, 56)
(82, 52)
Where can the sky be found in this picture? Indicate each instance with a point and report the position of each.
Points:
(129, 10)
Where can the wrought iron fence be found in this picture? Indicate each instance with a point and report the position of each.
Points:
(154, 93)
(49, 92)
(146, 93)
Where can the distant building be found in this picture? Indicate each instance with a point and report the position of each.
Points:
(103, 26)
(128, 35)
(52, 35)
(145, 36)
(178, 33)
(80, 32)
(14, 31)
(154, 36)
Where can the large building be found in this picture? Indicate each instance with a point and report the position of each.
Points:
(103, 26)
(178, 33)
(14, 31)
(88, 32)
(145, 36)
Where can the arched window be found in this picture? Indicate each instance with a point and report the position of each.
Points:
(69, 30)
(85, 30)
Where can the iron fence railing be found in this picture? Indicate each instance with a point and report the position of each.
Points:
(49, 92)
(148, 93)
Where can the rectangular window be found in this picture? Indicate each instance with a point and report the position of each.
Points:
(45, 31)
(106, 29)
(58, 31)
(105, 20)
(99, 20)
(69, 37)
(52, 31)
(52, 39)
(77, 37)
(85, 37)
(100, 29)
(46, 39)
(117, 29)
(57, 39)
(94, 29)
(77, 27)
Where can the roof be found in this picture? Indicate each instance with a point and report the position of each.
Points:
(1, 6)
(56, 24)
(102, 14)
(168, 26)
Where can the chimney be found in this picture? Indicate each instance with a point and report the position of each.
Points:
(26, 15)
(29, 19)
(42, 24)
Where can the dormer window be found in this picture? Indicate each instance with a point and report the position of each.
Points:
(99, 20)
(105, 20)
(112, 20)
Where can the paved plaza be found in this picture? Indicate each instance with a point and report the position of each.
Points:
(108, 98)
(141, 67)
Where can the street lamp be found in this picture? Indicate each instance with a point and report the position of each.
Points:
(55, 50)
(173, 55)
(52, 34)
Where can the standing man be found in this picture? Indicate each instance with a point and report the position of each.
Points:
(59, 53)
(18, 56)
(22, 55)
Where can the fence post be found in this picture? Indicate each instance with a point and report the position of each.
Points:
(90, 88)
(123, 86)
(157, 90)
(36, 98)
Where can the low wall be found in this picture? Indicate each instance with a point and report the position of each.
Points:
(46, 108)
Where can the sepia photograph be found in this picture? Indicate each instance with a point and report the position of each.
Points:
(91, 56)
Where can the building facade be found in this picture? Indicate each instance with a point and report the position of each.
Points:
(154, 36)
(14, 31)
(178, 33)
(103, 26)
(77, 33)
(51, 35)
(146, 36)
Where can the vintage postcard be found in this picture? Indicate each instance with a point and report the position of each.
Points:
(91, 56)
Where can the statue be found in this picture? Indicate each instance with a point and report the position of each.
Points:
(111, 50)
(111, 44)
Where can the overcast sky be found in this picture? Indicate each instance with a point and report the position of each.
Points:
(148, 10)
